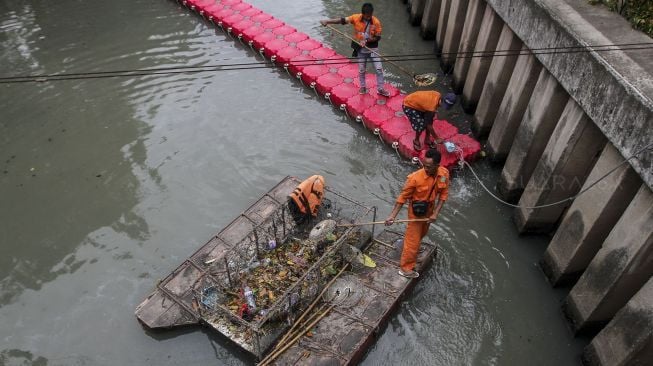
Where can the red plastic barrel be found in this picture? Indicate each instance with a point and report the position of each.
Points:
(340, 93)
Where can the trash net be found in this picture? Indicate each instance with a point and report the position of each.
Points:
(268, 266)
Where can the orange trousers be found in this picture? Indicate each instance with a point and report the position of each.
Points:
(415, 231)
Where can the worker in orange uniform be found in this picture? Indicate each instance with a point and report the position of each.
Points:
(367, 32)
(420, 109)
(421, 190)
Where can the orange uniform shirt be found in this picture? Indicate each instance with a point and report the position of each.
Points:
(359, 24)
(418, 185)
(425, 101)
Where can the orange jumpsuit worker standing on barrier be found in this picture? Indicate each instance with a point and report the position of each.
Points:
(421, 189)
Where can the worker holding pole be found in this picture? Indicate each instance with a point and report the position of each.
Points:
(367, 34)
(421, 189)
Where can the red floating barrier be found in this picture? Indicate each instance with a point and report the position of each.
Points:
(357, 104)
(405, 146)
(444, 129)
(394, 128)
(322, 53)
(231, 2)
(312, 72)
(326, 82)
(396, 103)
(349, 71)
(221, 14)
(240, 27)
(299, 62)
(340, 93)
(272, 23)
(274, 46)
(295, 37)
(377, 115)
(258, 36)
(287, 53)
(209, 7)
(470, 147)
(284, 30)
(248, 13)
(231, 20)
(308, 44)
(258, 19)
(240, 7)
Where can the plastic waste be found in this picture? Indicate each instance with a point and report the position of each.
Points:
(272, 244)
(249, 298)
(450, 146)
(399, 244)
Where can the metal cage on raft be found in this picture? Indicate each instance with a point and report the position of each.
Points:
(237, 256)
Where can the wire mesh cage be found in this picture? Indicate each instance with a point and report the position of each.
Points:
(263, 269)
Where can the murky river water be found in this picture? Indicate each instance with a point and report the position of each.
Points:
(108, 184)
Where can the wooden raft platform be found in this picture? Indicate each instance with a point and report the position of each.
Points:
(340, 338)
(344, 335)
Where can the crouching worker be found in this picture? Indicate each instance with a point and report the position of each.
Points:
(421, 190)
(304, 201)
(420, 109)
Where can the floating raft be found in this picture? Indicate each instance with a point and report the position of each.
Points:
(330, 75)
(342, 337)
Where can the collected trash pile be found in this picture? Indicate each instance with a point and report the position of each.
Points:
(280, 266)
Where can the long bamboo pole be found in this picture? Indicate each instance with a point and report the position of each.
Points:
(380, 222)
(412, 75)
(276, 354)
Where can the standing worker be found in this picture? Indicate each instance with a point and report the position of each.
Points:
(420, 109)
(421, 189)
(367, 31)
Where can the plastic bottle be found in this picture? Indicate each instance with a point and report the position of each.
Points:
(272, 244)
(249, 297)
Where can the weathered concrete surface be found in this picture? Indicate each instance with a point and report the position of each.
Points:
(622, 266)
(429, 26)
(442, 24)
(542, 114)
(496, 82)
(590, 218)
(615, 89)
(416, 11)
(487, 39)
(628, 338)
(567, 160)
(512, 108)
(473, 19)
(455, 24)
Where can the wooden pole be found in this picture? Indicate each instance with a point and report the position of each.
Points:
(380, 222)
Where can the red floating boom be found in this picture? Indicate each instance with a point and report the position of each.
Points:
(331, 75)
